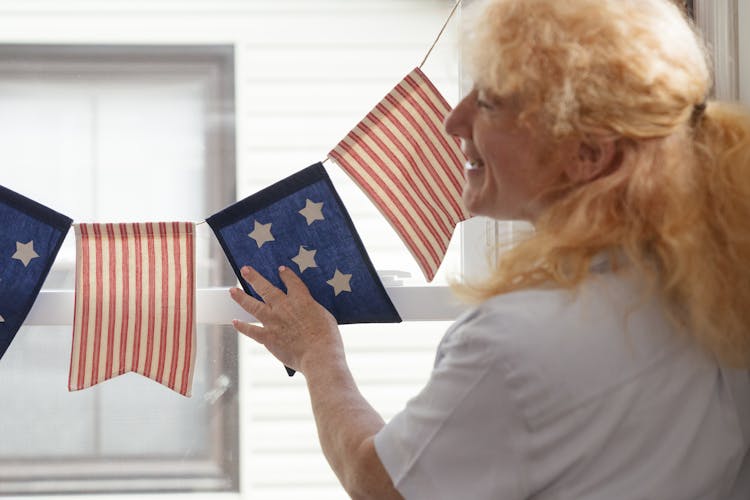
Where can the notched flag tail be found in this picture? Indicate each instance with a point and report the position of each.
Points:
(134, 303)
(300, 222)
(30, 238)
(402, 159)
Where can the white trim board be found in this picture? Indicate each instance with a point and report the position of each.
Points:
(214, 307)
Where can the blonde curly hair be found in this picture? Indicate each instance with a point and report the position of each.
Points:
(678, 205)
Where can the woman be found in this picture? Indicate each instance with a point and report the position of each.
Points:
(608, 355)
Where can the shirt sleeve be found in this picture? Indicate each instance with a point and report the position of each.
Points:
(461, 436)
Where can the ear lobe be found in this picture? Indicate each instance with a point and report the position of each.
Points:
(594, 159)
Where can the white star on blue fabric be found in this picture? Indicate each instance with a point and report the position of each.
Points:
(25, 252)
(2, 320)
(340, 282)
(262, 233)
(312, 211)
(305, 259)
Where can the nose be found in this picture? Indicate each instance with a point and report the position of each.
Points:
(458, 121)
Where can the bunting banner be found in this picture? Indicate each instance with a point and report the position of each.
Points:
(409, 167)
(135, 282)
(134, 304)
(30, 238)
(300, 222)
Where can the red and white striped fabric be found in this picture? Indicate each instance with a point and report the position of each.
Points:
(134, 303)
(409, 167)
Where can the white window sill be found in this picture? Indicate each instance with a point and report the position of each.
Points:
(214, 307)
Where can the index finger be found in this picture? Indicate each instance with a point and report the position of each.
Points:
(267, 291)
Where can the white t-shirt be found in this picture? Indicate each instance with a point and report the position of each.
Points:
(594, 394)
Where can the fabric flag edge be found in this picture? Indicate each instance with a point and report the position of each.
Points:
(309, 175)
(179, 229)
(45, 215)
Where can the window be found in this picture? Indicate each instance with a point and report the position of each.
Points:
(82, 131)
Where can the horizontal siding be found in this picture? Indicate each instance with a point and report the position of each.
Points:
(300, 99)
(389, 362)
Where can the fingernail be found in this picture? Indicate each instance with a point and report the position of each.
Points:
(282, 268)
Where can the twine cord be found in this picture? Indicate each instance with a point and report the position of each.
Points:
(453, 10)
(429, 51)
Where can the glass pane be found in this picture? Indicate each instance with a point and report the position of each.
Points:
(96, 150)
(127, 416)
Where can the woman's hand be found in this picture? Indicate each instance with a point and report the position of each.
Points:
(303, 335)
(296, 329)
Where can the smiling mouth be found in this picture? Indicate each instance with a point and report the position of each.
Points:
(474, 164)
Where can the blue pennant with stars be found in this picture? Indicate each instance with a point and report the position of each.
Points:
(30, 237)
(300, 222)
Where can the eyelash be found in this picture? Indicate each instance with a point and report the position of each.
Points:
(484, 104)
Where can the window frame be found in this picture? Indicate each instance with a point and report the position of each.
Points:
(218, 469)
(719, 22)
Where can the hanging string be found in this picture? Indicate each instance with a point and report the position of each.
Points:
(453, 10)
(445, 25)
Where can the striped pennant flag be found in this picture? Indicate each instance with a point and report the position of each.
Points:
(134, 304)
(410, 168)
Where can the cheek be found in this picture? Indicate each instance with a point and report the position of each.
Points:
(482, 193)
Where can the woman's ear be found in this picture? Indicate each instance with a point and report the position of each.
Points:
(595, 157)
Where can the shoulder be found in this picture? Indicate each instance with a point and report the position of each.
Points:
(598, 311)
(557, 349)
(534, 318)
